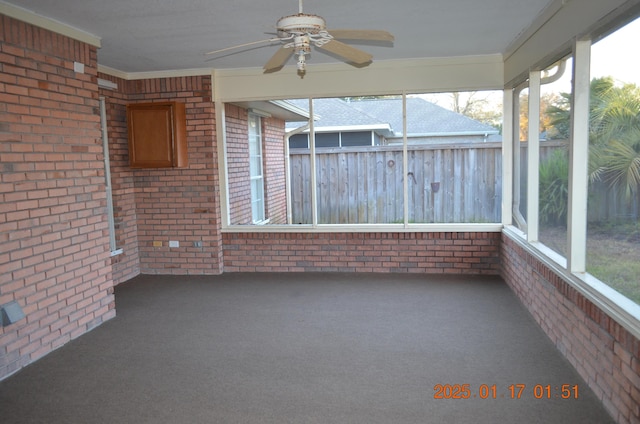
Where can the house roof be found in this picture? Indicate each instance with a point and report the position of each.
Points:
(384, 115)
(423, 118)
(333, 114)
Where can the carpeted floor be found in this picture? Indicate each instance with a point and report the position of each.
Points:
(305, 348)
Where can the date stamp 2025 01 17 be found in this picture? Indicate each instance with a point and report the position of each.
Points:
(513, 391)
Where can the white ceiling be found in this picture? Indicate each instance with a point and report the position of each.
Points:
(159, 35)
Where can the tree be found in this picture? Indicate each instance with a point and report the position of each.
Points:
(477, 105)
(548, 102)
(615, 138)
(614, 133)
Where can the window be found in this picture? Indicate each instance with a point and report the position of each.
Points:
(333, 139)
(586, 219)
(613, 217)
(255, 169)
(358, 162)
(555, 113)
(454, 157)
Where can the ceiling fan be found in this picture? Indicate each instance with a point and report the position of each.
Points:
(298, 32)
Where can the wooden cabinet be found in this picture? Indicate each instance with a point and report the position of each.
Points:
(157, 135)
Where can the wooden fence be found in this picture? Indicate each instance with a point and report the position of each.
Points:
(446, 183)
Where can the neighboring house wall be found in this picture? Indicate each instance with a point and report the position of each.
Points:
(274, 170)
(605, 354)
(54, 244)
(238, 177)
(273, 158)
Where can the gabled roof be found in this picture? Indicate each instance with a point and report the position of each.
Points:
(423, 117)
(385, 115)
(333, 114)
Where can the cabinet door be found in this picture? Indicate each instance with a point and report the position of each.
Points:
(155, 137)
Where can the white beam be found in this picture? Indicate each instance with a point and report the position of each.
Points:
(579, 158)
(405, 163)
(380, 78)
(533, 154)
(507, 156)
(221, 143)
(312, 166)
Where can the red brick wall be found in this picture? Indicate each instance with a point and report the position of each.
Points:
(605, 354)
(54, 246)
(238, 165)
(176, 204)
(275, 170)
(456, 253)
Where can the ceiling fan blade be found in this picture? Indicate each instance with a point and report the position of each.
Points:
(243, 45)
(361, 34)
(278, 60)
(347, 52)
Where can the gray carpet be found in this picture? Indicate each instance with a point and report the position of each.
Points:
(303, 348)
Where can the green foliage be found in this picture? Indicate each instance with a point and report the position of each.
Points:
(559, 117)
(554, 189)
(614, 133)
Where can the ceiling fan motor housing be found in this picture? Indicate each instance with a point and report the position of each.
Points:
(302, 23)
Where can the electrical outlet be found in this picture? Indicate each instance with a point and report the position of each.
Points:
(197, 243)
(174, 243)
(78, 67)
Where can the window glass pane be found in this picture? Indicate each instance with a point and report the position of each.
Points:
(255, 168)
(257, 201)
(613, 230)
(356, 138)
(328, 139)
(361, 185)
(299, 141)
(299, 172)
(255, 165)
(555, 112)
(454, 157)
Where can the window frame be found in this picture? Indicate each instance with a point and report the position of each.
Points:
(255, 140)
(571, 268)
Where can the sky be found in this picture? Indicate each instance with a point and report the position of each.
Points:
(613, 56)
(616, 55)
